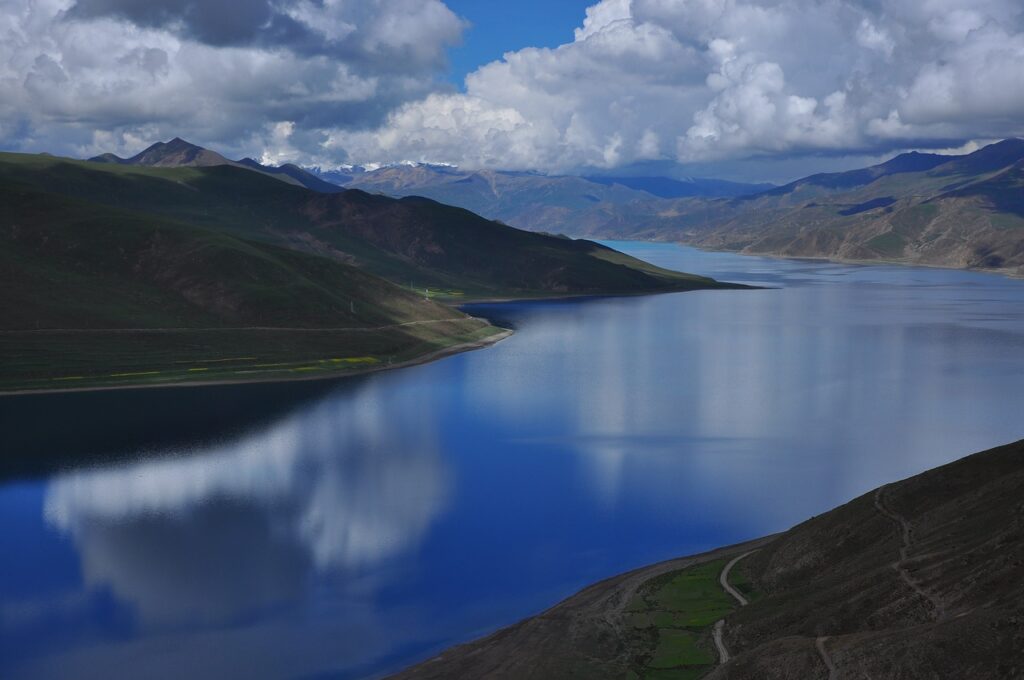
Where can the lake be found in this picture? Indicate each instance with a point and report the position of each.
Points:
(346, 528)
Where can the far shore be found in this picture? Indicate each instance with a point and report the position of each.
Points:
(376, 368)
(1016, 274)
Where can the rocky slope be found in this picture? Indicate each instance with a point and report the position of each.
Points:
(951, 211)
(922, 578)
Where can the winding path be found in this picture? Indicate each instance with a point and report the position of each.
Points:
(723, 580)
(819, 644)
(905, 540)
(723, 653)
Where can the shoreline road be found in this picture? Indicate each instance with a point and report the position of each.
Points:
(723, 580)
(905, 539)
(723, 653)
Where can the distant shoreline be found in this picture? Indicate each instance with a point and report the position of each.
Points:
(425, 358)
(437, 354)
(1014, 274)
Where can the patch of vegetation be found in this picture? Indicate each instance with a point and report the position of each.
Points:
(1005, 221)
(889, 244)
(49, 360)
(912, 221)
(671, 618)
(739, 578)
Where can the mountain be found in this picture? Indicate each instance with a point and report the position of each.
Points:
(668, 187)
(531, 200)
(915, 580)
(120, 272)
(97, 296)
(409, 241)
(173, 154)
(521, 199)
(293, 172)
(178, 153)
(952, 211)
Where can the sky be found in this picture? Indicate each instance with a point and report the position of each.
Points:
(740, 89)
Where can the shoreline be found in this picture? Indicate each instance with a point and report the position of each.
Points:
(848, 592)
(725, 285)
(441, 353)
(1005, 273)
(601, 600)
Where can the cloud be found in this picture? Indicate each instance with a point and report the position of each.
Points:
(332, 489)
(75, 76)
(712, 80)
(330, 81)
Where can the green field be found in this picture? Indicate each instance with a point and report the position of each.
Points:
(670, 621)
(51, 360)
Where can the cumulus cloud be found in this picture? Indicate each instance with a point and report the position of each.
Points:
(706, 80)
(330, 81)
(91, 75)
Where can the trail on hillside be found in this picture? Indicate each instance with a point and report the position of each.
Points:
(723, 580)
(905, 541)
(819, 644)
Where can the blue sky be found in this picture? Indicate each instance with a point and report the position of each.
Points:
(499, 27)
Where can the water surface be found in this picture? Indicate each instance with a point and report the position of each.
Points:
(346, 528)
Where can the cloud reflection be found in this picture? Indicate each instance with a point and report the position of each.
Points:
(214, 534)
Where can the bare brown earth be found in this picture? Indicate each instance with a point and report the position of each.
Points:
(923, 578)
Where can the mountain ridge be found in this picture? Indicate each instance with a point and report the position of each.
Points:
(949, 211)
(178, 153)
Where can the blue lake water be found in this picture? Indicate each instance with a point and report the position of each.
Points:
(346, 528)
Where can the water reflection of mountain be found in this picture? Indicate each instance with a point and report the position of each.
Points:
(213, 534)
(44, 433)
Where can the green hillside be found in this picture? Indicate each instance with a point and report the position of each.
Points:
(96, 296)
(117, 273)
(413, 242)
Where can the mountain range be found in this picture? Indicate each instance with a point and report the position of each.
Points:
(962, 211)
(178, 153)
(176, 265)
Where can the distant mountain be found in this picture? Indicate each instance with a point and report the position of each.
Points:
(173, 154)
(904, 163)
(522, 199)
(178, 153)
(529, 200)
(668, 187)
(294, 172)
(952, 211)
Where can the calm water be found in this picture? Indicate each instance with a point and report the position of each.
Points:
(345, 529)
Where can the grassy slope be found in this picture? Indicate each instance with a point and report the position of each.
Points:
(832, 576)
(200, 304)
(412, 241)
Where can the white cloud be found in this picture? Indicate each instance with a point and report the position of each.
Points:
(345, 81)
(699, 80)
(77, 75)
